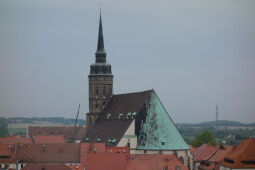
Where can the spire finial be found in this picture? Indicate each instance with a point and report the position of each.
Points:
(100, 53)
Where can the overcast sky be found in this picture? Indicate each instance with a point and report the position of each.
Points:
(193, 53)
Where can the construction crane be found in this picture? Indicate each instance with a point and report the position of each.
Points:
(77, 115)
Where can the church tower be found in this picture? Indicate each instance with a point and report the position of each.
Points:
(100, 81)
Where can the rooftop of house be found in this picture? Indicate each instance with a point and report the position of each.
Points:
(15, 140)
(6, 153)
(48, 139)
(220, 153)
(153, 161)
(46, 167)
(69, 132)
(106, 161)
(76, 167)
(212, 161)
(48, 153)
(241, 156)
(203, 151)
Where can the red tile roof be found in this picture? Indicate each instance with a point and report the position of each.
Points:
(6, 153)
(153, 162)
(99, 148)
(212, 161)
(117, 149)
(14, 140)
(48, 139)
(76, 167)
(203, 151)
(106, 161)
(120, 159)
(245, 151)
(5, 150)
(48, 153)
(219, 154)
(46, 167)
(69, 132)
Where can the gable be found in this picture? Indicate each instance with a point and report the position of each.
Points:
(158, 132)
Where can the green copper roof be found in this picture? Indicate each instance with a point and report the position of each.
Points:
(158, 132)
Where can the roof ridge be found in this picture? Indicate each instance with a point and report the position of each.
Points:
(151, 90)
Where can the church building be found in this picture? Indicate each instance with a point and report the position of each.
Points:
(137, 120)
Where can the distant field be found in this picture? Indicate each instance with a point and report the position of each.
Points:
(17, 131)
(21, 128)
(25, 125)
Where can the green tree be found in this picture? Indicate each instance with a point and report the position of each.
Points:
(3, 127)
(204, 137)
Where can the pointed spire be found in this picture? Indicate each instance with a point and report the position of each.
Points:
(100, 53)
(100, 44)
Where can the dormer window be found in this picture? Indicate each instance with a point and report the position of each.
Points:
(120, 115)
(109, 115)
(133, 115)
(129, 115)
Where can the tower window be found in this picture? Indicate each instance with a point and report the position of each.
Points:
(96, 105)
(104, 90)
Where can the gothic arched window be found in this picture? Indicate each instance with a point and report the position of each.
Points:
(96, 91)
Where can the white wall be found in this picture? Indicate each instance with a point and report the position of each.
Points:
(129, 136)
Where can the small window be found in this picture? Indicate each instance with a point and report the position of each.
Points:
(181, 159)
(177, 168)
(229, 160)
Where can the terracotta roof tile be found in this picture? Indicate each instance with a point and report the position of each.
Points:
(46, 167)
(48, 153)
(76, 167)
(203, 151)
(15, 139)
(48, 139)
(242, 152)
(106, 161)
(219, 154)
(6, 153)
(69, 132)
(153, 162)
(5, 150)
